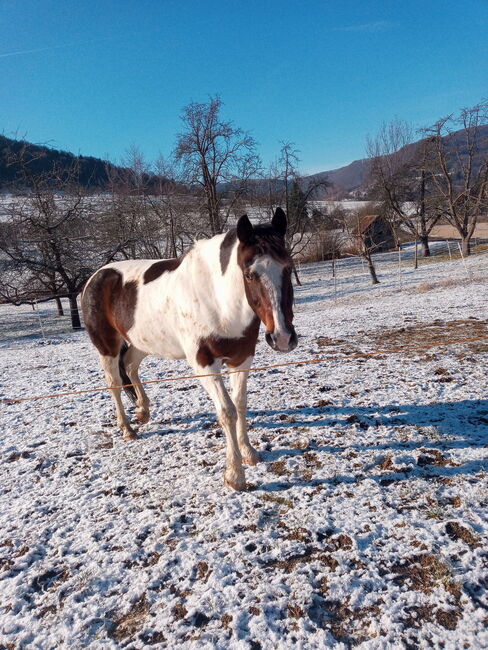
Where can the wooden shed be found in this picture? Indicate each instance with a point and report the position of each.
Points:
(375, 232)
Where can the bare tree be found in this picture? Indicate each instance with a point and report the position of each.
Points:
(459, 168)
(398, 171)
(287, 188)
(174, 207)
(53, 236)
(362, 242)
(216, 157)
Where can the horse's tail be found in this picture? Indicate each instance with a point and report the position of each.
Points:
(128, 389)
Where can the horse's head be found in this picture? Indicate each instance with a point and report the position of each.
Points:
(266, 266)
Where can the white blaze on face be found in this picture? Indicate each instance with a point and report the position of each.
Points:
(270, 274)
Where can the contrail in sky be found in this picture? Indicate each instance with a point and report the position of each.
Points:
(57, 47)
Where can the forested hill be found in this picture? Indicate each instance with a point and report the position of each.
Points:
(92, 172)
(97, 174)
(353, 179)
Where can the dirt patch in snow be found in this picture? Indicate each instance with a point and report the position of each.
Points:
(421, 335)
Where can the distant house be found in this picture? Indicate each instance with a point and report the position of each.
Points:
(375, 232)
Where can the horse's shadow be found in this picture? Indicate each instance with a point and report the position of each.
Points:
(452, 426)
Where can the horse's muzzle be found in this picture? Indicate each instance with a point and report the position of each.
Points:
(282, 342)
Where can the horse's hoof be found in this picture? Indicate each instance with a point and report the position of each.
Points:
(129, 436)
(251, 457)
(142, 417)
(234, 480)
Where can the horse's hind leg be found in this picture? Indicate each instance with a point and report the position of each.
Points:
(131, 360)
(110, 367)
(238, 383)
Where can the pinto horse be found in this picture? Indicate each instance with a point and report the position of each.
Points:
(205, 306)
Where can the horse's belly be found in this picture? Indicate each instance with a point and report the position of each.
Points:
(159, 343)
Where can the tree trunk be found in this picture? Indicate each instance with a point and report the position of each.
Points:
(425, 245)
(59, 306)
(296, 275)
(372, 270)
(75, 314)
(466, 245)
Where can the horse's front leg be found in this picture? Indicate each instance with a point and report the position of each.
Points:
(227, 414)
(238, 383)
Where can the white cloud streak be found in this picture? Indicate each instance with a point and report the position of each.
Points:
(377, 26)
(57, 47)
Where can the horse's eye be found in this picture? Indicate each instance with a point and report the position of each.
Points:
(249, 275)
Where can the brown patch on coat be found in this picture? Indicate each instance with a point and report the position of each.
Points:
(233, 351)
(287, 297)
(158, 268)
(108, 310)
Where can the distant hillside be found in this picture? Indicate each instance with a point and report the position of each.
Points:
(92, 173)
(352, 181)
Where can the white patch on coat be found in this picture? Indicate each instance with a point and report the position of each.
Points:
(270, 273)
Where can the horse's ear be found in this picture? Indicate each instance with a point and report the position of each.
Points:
(279, 221)
(245, 230)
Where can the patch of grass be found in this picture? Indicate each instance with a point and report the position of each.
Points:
(435, 458)
(129, 624)
(274, 498)
(226, 621)
(416, 615)
(50, 579)
(309, 555)
(179, 612)
(448, 618)
(278, 467)
(434, 514)
(424, 572)
(294, 611)
(349, 626)
(299, 535)
(202, 571)
(311, 459)
(456, 532)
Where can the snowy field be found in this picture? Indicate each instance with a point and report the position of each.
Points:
(365, 525)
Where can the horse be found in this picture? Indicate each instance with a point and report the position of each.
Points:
(205, 306)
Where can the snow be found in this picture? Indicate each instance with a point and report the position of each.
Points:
(365, 524)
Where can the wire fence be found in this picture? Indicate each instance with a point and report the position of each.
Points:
(318, 360)
(42, 320)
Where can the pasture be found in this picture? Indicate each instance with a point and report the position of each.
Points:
(365, 525)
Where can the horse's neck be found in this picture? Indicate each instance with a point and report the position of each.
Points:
(227, 288)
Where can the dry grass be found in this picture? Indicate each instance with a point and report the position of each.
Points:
(421, 335)
(447, 283)
(129, 624)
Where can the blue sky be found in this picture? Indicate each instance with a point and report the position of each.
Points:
(96, 77)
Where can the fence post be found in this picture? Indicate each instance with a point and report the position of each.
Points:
(40, 320)
(464, 261)
(336, 268)
(400, 266)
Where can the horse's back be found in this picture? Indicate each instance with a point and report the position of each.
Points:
(122, 301)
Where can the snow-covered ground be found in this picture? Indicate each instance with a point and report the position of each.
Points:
(365, 525)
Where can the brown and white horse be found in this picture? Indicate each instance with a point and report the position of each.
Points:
(206, 307)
